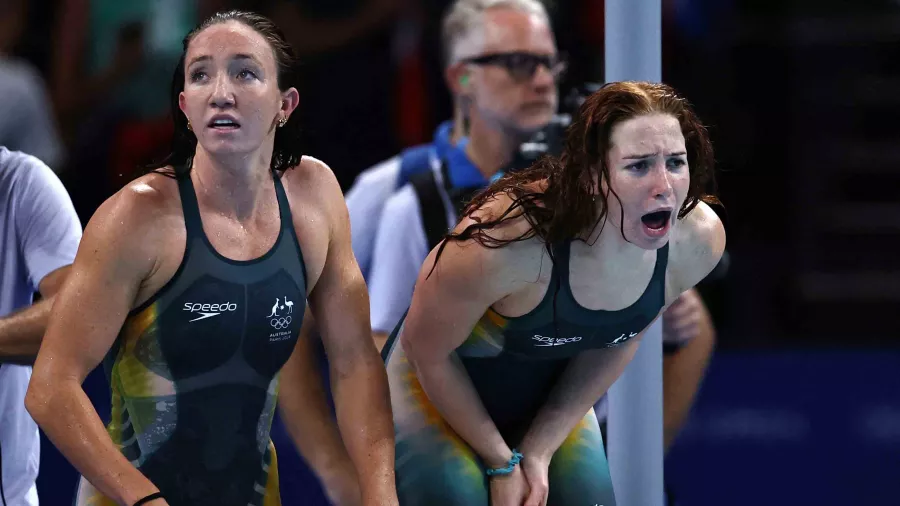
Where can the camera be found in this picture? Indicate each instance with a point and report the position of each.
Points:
(551, 139)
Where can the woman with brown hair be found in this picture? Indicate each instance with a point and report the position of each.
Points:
(190, 286)
(525, 314)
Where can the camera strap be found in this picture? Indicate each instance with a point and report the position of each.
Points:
(431, 205)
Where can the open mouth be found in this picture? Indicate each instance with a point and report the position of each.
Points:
(224, 124)
(657, 220)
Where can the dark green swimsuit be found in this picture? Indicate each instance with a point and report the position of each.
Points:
(194, 371)
(514, 362)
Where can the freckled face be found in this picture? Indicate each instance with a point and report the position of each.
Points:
(231, 95)
(648, 170)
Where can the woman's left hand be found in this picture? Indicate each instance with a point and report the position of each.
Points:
(536, 470)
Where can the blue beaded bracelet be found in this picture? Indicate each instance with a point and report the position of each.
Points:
(510, 465)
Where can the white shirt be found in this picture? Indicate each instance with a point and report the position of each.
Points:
(365, 201)
(400, 249)
(40, 233)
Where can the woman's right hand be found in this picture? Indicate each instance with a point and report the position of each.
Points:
(509, 489)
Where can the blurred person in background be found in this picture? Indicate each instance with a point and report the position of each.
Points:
(502, 66)
(27, 118)
(346, 71)
(107, 63)
(39, 236)
(689, 339)
(371, 190)
(186, 263)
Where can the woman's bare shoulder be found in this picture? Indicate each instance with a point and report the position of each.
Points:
(506, 209)
(698, 245)
(137, 211)
(144, 199)
(503, 255)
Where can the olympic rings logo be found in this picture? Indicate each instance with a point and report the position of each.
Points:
(280, 323)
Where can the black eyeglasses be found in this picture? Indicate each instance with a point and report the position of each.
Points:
(521, 65)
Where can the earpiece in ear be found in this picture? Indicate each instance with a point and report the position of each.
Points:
(464, 80)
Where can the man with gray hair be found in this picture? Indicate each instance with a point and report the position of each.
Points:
(27, 121)
(462, 27)
(502, 66)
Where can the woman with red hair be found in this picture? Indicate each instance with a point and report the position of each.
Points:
(532, 307)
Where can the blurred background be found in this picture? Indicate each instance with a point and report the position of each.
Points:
(801, 404)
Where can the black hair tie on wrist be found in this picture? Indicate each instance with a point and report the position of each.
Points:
(152, 497)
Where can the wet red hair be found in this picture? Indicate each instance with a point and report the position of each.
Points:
(558, 196)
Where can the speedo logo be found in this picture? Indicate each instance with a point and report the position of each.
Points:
(623, 338)
(208, 310)
(554, 341)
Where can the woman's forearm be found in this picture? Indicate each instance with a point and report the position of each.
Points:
(67, 416)
(309, 422)
(451, 391)
(362, 402)
(303, 405)
(587, 377)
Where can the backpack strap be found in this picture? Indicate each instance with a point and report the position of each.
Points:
(431, 206)
(414, 160)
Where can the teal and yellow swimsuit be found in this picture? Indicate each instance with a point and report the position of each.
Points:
(194, 371)
(514, 363)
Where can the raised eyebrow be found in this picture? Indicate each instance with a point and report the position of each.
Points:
(199, 59)
(240, 56)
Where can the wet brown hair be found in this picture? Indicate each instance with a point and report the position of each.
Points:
(287, 149)
(558, 195)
